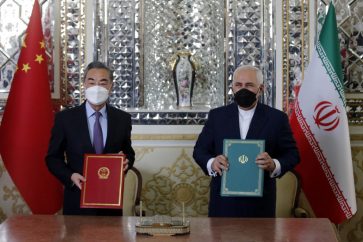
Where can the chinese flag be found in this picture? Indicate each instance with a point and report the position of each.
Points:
(26, 124)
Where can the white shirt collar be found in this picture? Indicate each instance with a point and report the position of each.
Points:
(247, 113)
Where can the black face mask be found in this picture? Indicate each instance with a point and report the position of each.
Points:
(245, 98)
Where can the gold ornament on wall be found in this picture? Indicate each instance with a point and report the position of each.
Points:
(141, 152)
(182, 182)
(17, 203)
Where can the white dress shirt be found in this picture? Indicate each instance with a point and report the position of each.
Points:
(244, 118)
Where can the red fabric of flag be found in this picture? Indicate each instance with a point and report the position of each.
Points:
(27, 122)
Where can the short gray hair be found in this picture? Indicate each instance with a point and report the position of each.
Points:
(259, 75)
(98, 65)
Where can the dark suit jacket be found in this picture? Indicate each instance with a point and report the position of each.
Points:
(268, 124)
(70, 140)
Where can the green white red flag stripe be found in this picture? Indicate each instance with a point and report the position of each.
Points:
(321, 130)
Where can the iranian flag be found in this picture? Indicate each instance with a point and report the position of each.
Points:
(320, 125)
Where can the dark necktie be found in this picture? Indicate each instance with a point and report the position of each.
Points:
(97, 135)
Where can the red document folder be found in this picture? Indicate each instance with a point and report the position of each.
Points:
(104, 181)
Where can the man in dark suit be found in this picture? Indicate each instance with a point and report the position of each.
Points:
(73, 135)
(246, 118)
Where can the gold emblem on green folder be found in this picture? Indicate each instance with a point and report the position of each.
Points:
(243, 159)
(244, 177)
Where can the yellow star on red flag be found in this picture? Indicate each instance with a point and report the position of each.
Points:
(39, 59)
(42, 44)
(26, 67)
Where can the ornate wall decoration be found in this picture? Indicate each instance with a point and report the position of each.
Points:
(2, 215)
(169, 118)
(181, 182)
(2, 170)
(141, 152)
(117, 40)
(121, 38)
(18, 205)
(352, 230)
(11, 202)
(295, 48)
(72, 55)
(351, 26)
(138, 37)
(355, 110)
(250, 40)
(142, 42)
(172, 26)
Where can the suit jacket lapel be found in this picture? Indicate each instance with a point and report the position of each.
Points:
(232, 122)
(257, 122)
(110, 127)
(83, 127)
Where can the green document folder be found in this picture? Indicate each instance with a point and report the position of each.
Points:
(244, 177)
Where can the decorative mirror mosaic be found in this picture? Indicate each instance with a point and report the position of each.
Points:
(14, 17)
(296, 49)
(141, 40)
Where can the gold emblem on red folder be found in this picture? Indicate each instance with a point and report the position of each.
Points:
(103, 172)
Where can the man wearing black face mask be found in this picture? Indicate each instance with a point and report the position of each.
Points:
(246, 118)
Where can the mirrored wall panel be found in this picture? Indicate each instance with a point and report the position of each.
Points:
(14, 18)
(173, 60)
